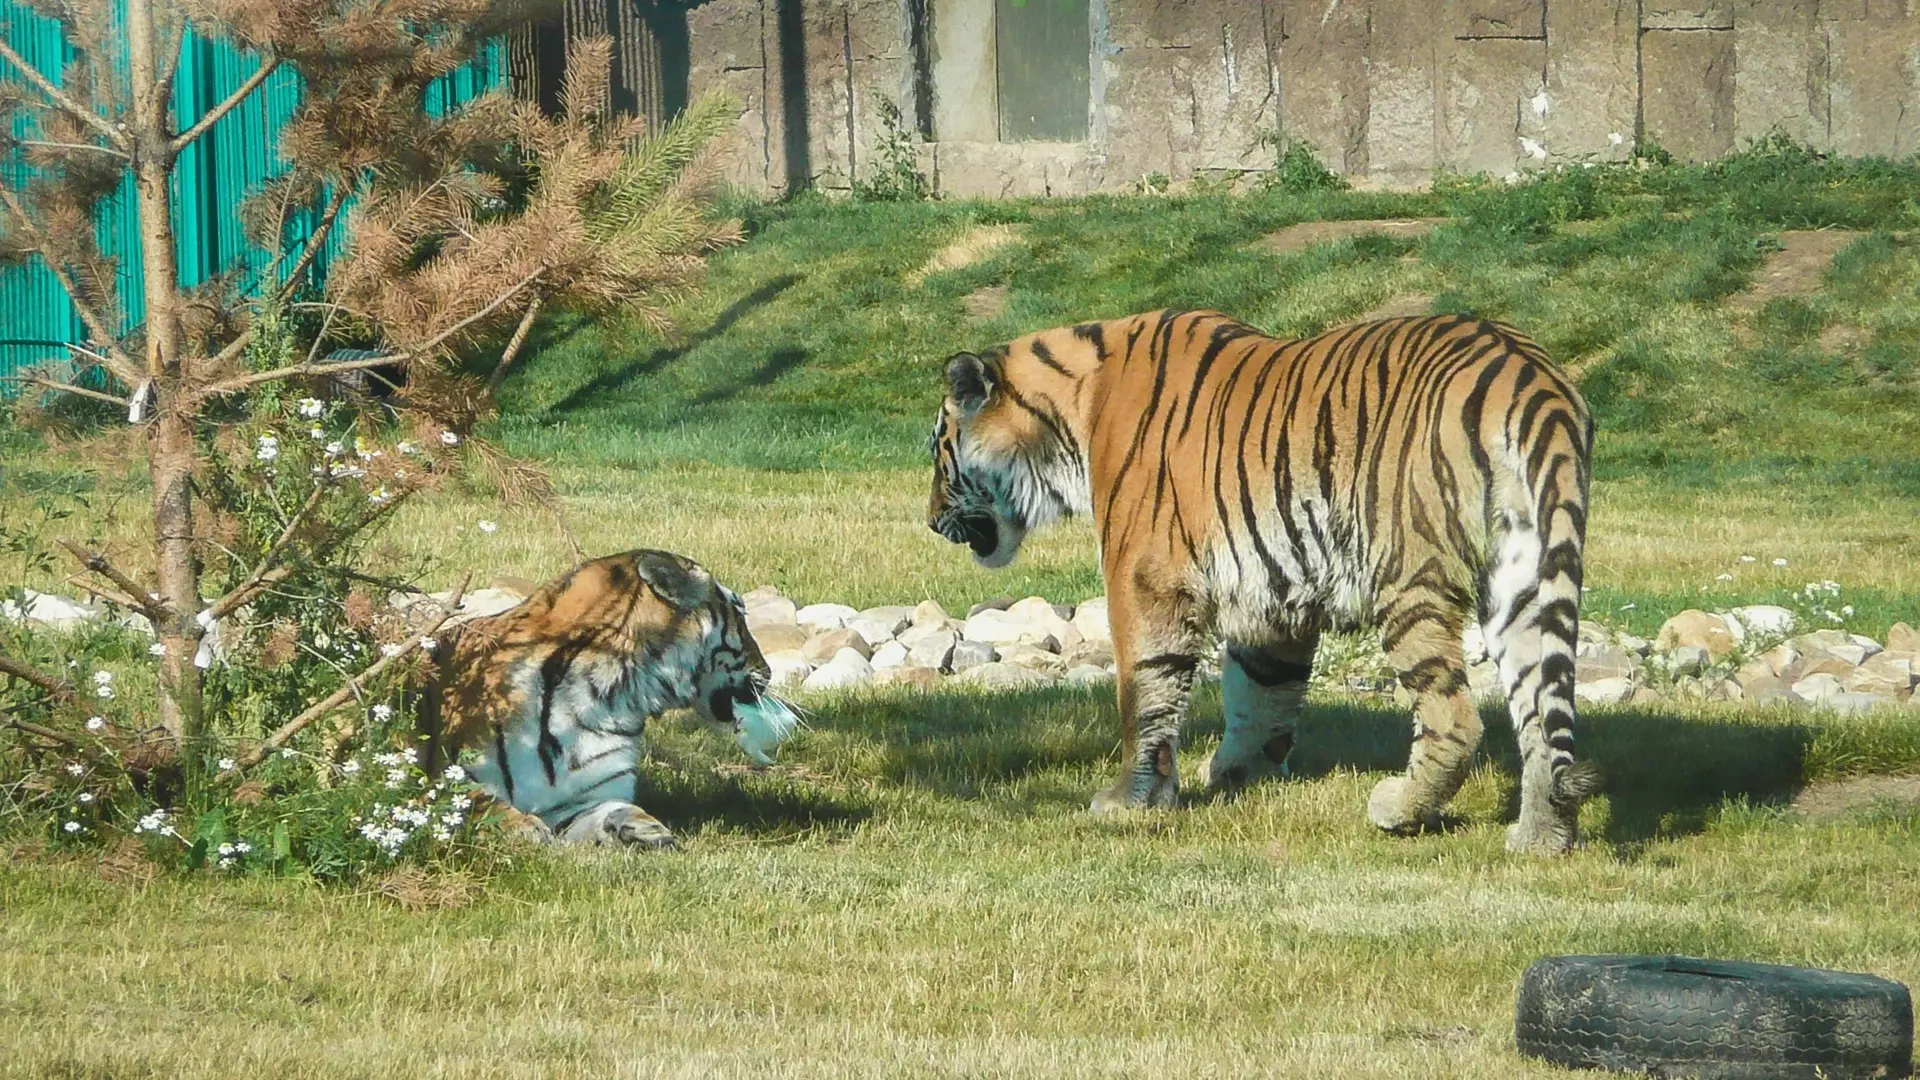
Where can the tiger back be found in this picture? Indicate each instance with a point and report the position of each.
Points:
(544, 704)
(1394, 474)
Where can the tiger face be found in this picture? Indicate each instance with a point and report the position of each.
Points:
(999, 472)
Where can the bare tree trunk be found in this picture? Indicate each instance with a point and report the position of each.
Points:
(172, 458)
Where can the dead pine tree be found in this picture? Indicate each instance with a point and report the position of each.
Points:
(458, 230)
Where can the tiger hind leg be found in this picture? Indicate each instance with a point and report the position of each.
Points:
(1533, 618)
(1425, 650)
(1262, 690)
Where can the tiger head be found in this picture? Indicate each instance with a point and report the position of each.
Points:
(728, 678)
(1002, 463)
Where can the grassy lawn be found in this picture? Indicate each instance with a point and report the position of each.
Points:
(924, 895)
(918, 891)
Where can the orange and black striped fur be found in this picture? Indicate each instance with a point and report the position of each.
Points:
(548, 700)
(1394, 474)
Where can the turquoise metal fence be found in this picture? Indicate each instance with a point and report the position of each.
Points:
(214, 175)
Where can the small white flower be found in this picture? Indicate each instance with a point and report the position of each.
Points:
(268, 449)
(102, 678)
(96, 723)
(448, 438)
(103, 691)
(158, 648)
(409, 448)
(390, 649)
(334, 448)
(382, 713)
(487, 526)
(322, 639)
(396, 777)
(350, 768)
(379, 496)
(311, 408)
(429, 644)
(410, 755)
(287, 753)
(1779, 562)
(226, 849)
(72, 826)
(227, 763)
(455, 774)
(1723, 577)
(242, 847)
(1748, 559)
(1847, 611)
(85, 796)
(316, 433)
(74, 768)
(1616, 138)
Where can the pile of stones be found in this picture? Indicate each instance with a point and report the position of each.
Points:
(1755, 654)
(1002, 643)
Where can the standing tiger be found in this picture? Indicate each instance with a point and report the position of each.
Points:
(550, 698)
(1384, 474)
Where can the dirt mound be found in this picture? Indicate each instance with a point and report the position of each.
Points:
(1839, 798)
(1795, 269)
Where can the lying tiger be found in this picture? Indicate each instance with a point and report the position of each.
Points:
(1394, 474)
(550, 698)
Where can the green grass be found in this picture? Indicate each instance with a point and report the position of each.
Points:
(927, 897)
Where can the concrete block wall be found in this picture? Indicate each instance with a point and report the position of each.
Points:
(1389, 91)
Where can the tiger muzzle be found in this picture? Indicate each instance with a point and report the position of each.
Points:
(977, 531)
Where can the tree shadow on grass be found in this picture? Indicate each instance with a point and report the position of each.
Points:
(658, 360)
(1666, 773)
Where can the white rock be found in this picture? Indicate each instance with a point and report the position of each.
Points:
(929, 613)
(1688, 659)
(1610, 691)
(1850, 702)
(1852, 654)
(789, 667)
(933, 650)
(481, 603)
(914, 634)
(55, 612)
(1090, 618)
(1818, 687)
(1005, 628)
(1764, 618)
(1032, 656)
(877, 632)
(1004, 677)
(771, 611)
(846, 669)
(969, 654)
(1870, 646)
(1089, 675)
(817, 617)
(892, 654)
(1040, 613)
(1638, 646)
(897, 617)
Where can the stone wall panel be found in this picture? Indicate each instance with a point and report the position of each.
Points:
(1780, 71)
(1592, 79)
(1873, 82)
(1323, 79)
(1687, 96)
(1491, 117)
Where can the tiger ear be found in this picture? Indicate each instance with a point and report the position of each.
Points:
(970, 383)
(681, 582)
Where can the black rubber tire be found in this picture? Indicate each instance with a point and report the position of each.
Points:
(1677, 1016)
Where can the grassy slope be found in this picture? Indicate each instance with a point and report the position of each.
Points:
(930, 899)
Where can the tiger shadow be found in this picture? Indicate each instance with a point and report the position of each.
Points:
(1667, 774)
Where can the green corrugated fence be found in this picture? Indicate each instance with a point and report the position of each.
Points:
(214, 175)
